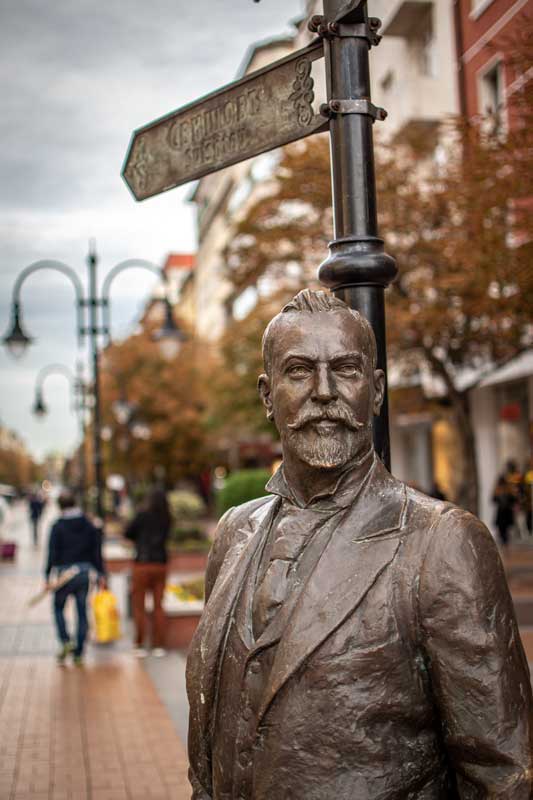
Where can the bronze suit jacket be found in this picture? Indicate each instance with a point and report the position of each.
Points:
(399, 672)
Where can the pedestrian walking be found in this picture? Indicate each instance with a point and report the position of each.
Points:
(149, 530)
(35, 506)
(74, 543)
(4, 515)
(437, 492)
(528, 494)
(505, 500)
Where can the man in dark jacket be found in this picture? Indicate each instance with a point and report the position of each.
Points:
(75, 544)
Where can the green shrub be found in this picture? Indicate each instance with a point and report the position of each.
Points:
(189, 537)
(185, 505)
(180, 533)
(241, 486)
(191, 546)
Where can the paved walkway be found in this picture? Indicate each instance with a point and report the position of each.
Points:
(102, 732)
(97, 732)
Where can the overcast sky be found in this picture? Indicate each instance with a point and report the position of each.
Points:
(77, 77)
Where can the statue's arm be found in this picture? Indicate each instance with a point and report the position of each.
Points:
(219, 548)
(198, 792)
(216, 557)
(477, 667)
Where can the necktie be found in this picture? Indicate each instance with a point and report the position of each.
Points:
(291, 535)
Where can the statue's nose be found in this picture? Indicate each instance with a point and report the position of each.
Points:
(324, 390)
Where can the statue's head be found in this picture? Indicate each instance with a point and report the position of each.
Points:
(321, 387)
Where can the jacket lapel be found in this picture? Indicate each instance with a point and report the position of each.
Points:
(208, 642)
(357, 553)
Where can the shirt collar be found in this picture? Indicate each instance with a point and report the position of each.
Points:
(69, 513)
(342, 493)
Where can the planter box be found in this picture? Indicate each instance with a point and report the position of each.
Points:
(180, 630)
(181, 622)
(118, 557)
(185, 561)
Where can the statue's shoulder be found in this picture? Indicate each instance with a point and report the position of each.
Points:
(233, 527)
(238, 516)
(449, 534)
(238, 521)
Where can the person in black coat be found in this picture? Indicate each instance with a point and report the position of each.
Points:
(149, 530)
(505, 500)
(74, 542)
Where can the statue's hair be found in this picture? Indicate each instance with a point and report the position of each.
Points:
(310, 302)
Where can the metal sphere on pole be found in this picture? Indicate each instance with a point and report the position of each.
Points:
(357, 269)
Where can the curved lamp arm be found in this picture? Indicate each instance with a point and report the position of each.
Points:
(58, 266)
(43, 374)
(50, 369)
(106, 286)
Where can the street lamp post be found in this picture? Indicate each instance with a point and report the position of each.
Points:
(93, 321)
(79, 404)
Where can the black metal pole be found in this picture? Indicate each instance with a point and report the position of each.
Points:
(92, 262)
(357, 269)
(80, 410)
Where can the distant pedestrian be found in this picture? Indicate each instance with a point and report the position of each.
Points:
(150, 530)
(437, 492)
(74, 542)
(505, 499)
(35, 506)
(515, 481)
(4, 515)
(528, 494)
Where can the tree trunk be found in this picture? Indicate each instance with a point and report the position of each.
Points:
(468, 495)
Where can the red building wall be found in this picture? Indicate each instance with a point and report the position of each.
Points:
(483, 33)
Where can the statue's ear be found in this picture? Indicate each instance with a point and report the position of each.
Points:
(263, 385)
(379, 390)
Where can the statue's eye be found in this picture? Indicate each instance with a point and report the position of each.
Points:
(299, 371)
(347, 370)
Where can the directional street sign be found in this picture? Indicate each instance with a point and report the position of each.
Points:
(263, 110)
(277, 105)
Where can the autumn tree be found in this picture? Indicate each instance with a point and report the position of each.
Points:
(17, 467)
(460, 229)
(164, 431)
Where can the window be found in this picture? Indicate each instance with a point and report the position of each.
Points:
(387, 80)
(477, 7)
(492, 99)
(421, 42)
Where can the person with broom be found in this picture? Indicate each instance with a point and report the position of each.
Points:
(75, 545)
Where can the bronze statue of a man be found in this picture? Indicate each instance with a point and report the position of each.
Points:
(358, 640)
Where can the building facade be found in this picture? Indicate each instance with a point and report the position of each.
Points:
(437, 59)
(486, 81)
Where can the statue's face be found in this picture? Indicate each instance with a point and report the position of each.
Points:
(322, 392)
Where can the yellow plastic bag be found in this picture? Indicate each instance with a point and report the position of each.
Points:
(106, 617)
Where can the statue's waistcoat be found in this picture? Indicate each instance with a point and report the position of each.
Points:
(243, 676)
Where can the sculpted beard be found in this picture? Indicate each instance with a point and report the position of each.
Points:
(327, 448)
